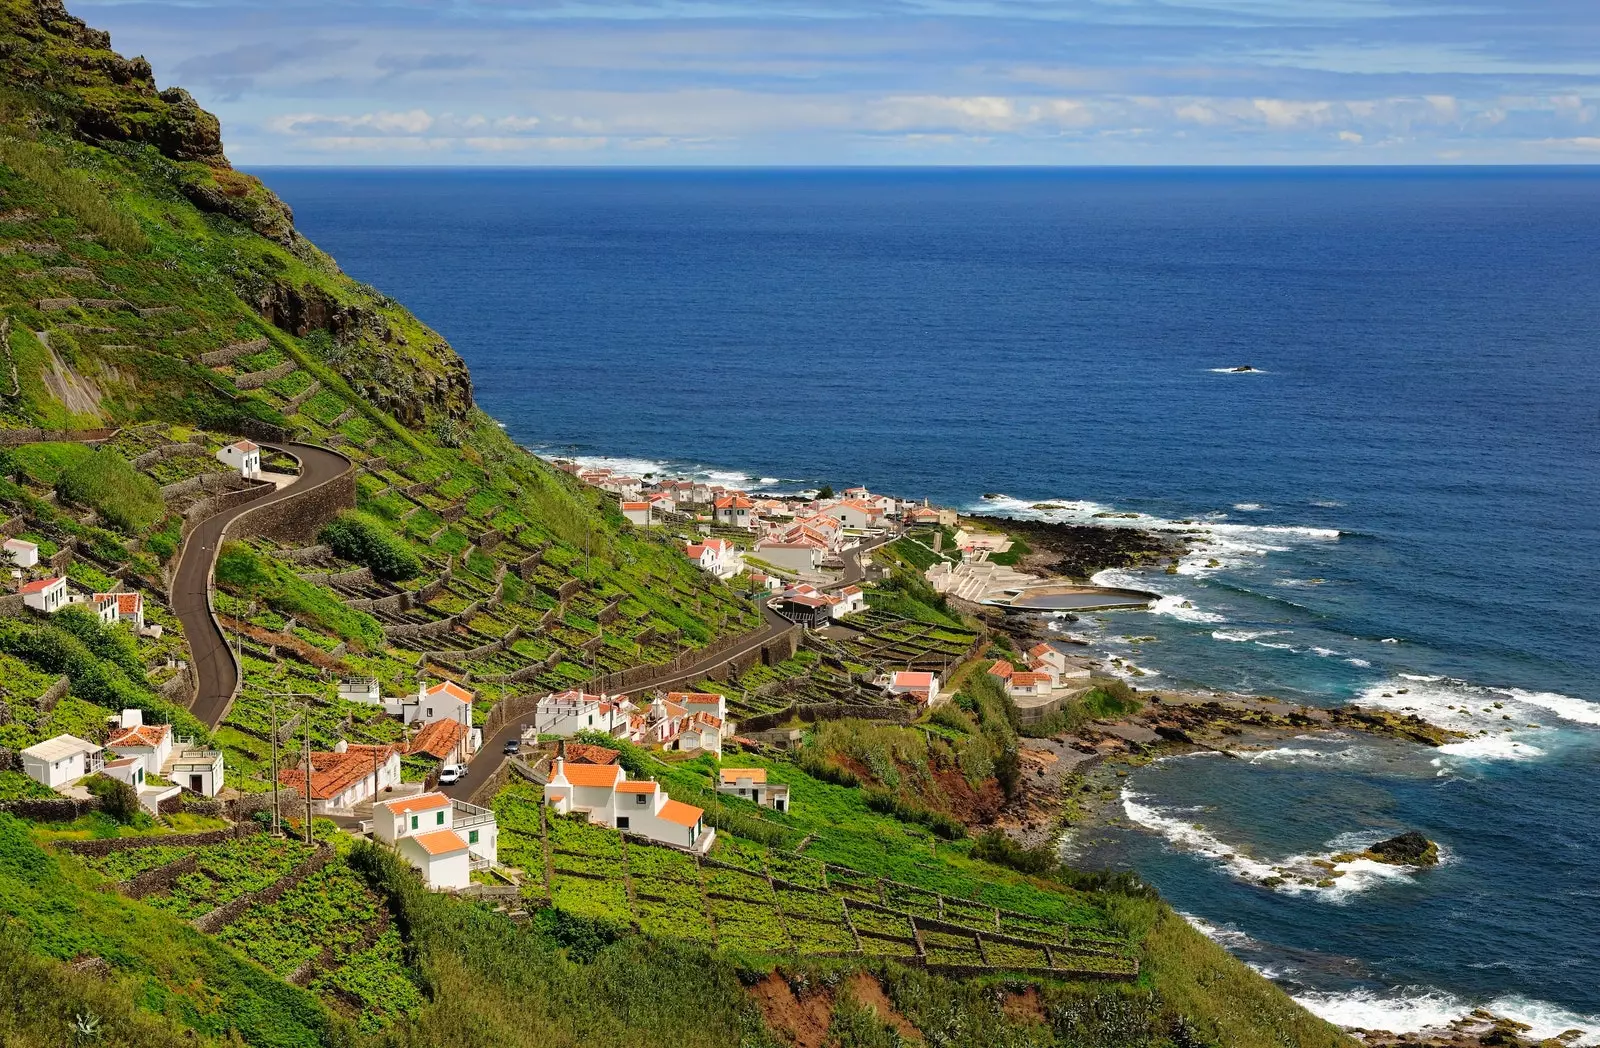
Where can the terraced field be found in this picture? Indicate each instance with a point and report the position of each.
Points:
(325, 930)
(752, 900)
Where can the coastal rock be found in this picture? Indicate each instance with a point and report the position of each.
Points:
(1408, 849)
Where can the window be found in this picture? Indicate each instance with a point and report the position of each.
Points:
(622, 822)
(413, 822)
(639, 798)
(438, 820)
(472, 836)
(742, 791)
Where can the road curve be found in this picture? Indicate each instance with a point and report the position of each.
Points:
(487, 760)
(209, 652)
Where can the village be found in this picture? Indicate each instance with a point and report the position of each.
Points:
(805, 560)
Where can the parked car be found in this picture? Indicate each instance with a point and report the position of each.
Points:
(452, 773)
(513, 747)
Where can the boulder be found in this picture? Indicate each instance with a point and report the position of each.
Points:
(1408, 849)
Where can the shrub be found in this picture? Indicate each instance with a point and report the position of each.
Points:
(361, 538)
(994, 846)
(127, 499)
(117, 799)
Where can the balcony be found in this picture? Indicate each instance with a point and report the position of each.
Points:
(464, 816)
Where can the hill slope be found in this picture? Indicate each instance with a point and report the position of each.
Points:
(155, 304)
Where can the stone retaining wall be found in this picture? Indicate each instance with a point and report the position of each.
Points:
(204, 482)
(299, 517)
(228, 354)
(54, 694)
(227, 913)
(166, 451)
(71, 436)
(257, 379)
(109, 845)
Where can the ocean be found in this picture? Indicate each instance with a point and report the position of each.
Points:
(1399, 505)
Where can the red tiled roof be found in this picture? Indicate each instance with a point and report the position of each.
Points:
(911, 679)
(583, 753)
(1002, 669)
(421, 802)
(451, 688)
(439, 739)
(635, 505)
(732, 775)
(440, 842)
(638, 787)
(1028, 679)
(150, 735)
(244, 445)
(39, 585)
(593, 774)
(681, 813)
(333, 773)
(127, 603)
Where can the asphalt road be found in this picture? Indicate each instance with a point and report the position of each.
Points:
(208, 648)
(487, 760)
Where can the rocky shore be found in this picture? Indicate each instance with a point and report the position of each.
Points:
(1077, 551)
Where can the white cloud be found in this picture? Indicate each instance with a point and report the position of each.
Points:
(412, 122)
(1353, 137)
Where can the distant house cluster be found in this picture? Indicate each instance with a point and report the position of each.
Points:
(681, 721)
(1047, 670)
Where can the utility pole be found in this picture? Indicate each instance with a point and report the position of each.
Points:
(277, 817)
(308, 773)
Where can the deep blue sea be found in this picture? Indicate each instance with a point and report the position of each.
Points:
(1402, 505)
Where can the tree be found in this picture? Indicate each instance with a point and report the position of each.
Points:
(117, 799)
(825, 492)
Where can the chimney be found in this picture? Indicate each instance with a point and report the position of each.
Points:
(561, 749)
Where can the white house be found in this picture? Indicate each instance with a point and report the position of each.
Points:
(345, 777)
(636, 513)
(699, 731)
(150, 744)
(569, 712)
(799, 555)
(446, 700)
(46, 595)
(23, 554)
(243, 456)
(918, 686)
(1046, 655)
(752, 784)
(604, 794)
(853, 513)
(129, 608)
(442, 839)
(1029, 685)
(718, 556)
(196, 769)
(736, 511)
(102, 605)
(851, 602)
(59, 761)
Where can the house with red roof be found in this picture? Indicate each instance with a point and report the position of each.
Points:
(46, 595)
(920, 687)
(244, 456)
(609, 798)
(346, 776)
(129, 608)
(442, 839)
(717, 556)
(636, 513)
(735, 510)
(752, 785)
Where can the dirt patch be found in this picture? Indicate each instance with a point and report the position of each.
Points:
(804, 1023)
(868, 992)
(306, 652)
(1025, 1007)
(80, 395)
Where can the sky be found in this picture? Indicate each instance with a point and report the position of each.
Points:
(880, 82)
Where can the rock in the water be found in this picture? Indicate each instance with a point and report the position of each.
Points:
(1408, 849)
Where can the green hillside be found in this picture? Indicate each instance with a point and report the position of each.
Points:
(156, 305)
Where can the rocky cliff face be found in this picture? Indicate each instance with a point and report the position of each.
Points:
(61, 79)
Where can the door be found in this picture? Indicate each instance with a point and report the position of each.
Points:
(197, 783)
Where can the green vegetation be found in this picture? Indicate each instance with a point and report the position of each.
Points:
(126, 498)
(246, 573)
(360, 538)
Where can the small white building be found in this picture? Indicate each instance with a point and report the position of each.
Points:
(752, 784)
(128, 608)
(446, 700)
(1029, 685)
(23, 554)
(718, 556)
(736, 511)
(244, 456)
(102, 605)
(636, 513)
(608, 798)
(60, 761)
(444, 840)
(196, 769)
(569, 712)
(853, 513)
(46, 595)
(920, 687)
(852, 601)
(150, 744)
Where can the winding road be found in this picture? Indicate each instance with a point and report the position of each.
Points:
(213, 663)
